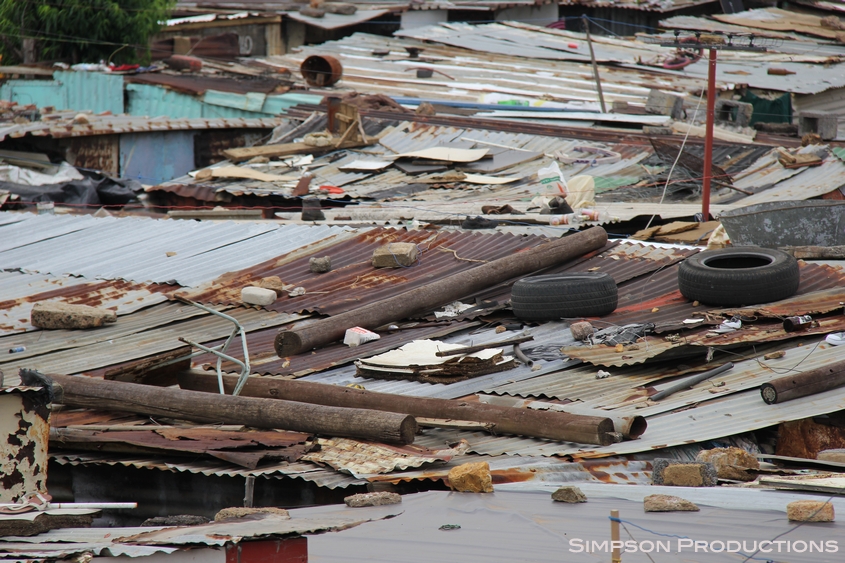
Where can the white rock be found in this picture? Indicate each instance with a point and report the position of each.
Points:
(258, 296)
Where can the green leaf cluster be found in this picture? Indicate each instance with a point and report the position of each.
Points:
(81, 30)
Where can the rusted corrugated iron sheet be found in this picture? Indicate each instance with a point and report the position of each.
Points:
(353, 282)
(363, 458)
(243, 448)
(816, 302)
(264, 361)
(101, 152)
(198, 84)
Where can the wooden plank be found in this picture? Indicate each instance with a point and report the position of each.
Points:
(286, 149)
(243, 173)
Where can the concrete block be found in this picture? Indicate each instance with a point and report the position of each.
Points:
(240, 512)
(823, 124)
(730, 463)
(471, 478)
(733, 112)
(372, 499)
(312, 210)
(675, 473)
(320, 265)
(571, 495)
(395, 255)
(261, 296)
(663, 103)
(668, 503)
(56, 315)
(810, 511)
(652, 130)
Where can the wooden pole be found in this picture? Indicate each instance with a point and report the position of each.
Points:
(439, 292)
(708, 137)
(550, 425)
(799, 385)
(586, 21)
(615, 538)
(87, 392)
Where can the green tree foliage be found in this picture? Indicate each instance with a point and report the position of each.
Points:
(79, 30)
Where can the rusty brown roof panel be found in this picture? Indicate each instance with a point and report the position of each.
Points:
(353, 282)
(198, 84)
(264, 361)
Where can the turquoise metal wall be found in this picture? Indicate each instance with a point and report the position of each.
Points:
(94, 91)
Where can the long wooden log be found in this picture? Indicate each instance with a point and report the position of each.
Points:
(87, 392)
(551, 425)
(803, 384)
(440, 292)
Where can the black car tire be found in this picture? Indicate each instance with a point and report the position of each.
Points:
(742, 275)
(559, 296)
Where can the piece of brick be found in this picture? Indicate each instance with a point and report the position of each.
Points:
(395, 255)
(471, 478)
(372, 499)
(810, 511)
(730, 463)
(675, 473)
(57, 315)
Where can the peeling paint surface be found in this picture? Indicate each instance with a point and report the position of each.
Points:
(24, 435)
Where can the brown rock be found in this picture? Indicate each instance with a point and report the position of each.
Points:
(342, 8)
(312, 12)
(471, 478)
(56, 315)
(811, 139)
(581, 330)
(730, 463)
(569, 494)
(276, 284)
(425, 108)
(395, 255)
(668, 503)
(240, 512)
(810, 511)
(372, 499)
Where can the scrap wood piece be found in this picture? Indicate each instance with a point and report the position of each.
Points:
(238, 172)
(287, 149)
(815, 252)
(676, 227)
(788, 160)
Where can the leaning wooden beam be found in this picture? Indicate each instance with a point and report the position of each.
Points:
(87, 392)
(288, 149)
(440, 292)
(551, 425)
(803, 384)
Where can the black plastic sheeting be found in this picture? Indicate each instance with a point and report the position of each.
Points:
(95, 190)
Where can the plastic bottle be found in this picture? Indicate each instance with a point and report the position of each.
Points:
(595, 215)
(566, 219)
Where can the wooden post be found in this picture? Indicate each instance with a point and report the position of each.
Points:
(616, 554)
(249, 491)
(87, 392)
(708, 137)
(439, 292)
(586, 21)
(795, 386)
(550, 425)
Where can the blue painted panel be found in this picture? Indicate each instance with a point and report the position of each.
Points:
(154, 101)
(153, 158)
(252, 101)
(42, 93)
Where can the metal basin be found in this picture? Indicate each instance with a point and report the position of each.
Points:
(787, 223)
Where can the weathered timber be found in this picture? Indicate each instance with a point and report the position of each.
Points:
(287, 149)
(804, 384)
(551, 425)
(440, 292)
(87, 392)
(481, 347)
(816, 252)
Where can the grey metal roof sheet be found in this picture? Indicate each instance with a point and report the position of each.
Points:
(148, 250)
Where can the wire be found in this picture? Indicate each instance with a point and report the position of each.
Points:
(677, 158)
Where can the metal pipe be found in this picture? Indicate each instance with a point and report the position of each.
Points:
(520, 355)
(708, 137)
(690, 381)
(586, 21)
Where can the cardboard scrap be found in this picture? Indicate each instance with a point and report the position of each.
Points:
(418, 361)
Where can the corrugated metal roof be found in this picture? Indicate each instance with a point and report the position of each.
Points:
(353, 282)
(148, 250)
(813, 181)
(310, 472)
(19, 292)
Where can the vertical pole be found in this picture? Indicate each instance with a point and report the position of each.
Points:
(708, 137)
(249, 491)
(616, 555)
(586, 21)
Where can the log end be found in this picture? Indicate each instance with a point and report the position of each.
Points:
(287, 343)
(408, 429)
(769, 393)
(605, 430)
